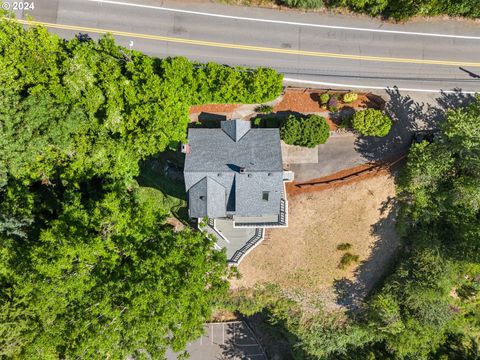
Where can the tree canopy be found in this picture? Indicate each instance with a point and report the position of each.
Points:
(88, 267)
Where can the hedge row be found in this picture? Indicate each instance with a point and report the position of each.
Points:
(397, 9)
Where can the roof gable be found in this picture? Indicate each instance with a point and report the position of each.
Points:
(236, 129)
(207, 198)
(247, 171)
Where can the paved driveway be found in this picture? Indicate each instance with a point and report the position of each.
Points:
(337, 154)
(225, 341)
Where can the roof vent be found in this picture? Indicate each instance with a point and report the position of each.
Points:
(242, 170)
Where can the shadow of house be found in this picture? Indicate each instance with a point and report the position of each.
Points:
(209, 120)
(352, 293)
(164, 172)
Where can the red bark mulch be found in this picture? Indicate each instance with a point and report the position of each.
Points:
(307, 101)
(214, 108)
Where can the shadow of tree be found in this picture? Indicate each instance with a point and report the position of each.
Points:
(315, 97)
(457, 99)
(230, 350)
(240, 343)
(351, 294)
(274, 119)
(164, 172)
(408, 117)
(375, 102)
(278, 342)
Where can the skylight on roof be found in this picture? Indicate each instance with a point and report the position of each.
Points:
(265, 195)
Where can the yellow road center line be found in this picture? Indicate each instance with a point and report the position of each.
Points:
(248, 47)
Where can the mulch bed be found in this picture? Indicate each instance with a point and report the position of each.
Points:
(307, 101)
(214, 108)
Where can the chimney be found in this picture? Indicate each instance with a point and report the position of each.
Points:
(242, 170)
(185, 148)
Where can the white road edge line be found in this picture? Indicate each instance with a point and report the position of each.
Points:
(351, 86)
(161, 8)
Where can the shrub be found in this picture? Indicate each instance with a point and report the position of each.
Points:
(350, 97)
(305, 131)
(291, 131)
(396, 9)
(371, 122)
(324, 98)
(264, 109)
(346, 115)
(272, 122)
(305, 4)
(214, 83)
(344, 246)
(333, 104)
(347, 259)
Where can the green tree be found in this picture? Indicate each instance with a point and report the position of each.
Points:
(107, 278)
(306, 131)
(415, 310)
(371, 122)
(88, 267)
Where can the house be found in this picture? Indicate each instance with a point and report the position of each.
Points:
(234, 177)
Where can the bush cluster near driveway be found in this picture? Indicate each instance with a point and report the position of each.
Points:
(371, 122)
(306, 131)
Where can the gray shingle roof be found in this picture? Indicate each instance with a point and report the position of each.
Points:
(235, 129)
(217, 155)
(207, 198)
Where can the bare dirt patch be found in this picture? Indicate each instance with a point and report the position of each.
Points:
(303, 259)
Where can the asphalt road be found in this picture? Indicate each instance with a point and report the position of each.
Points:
(322, 48)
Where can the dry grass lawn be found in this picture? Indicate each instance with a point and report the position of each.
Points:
(304, 258)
